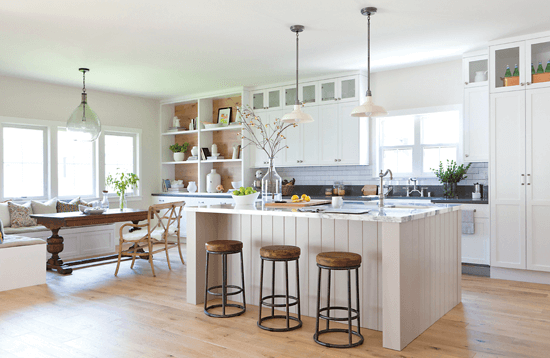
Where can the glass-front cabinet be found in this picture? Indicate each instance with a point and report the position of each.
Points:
(538, 54)
(341, 89)
(266, 99)
(308, 93)
(475, 71)
(290, 96)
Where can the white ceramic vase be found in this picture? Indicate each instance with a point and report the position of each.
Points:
(192, 187)
(213, 179)
(195, 151)
(179, 156)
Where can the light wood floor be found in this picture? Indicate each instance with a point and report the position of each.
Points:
(91, 313)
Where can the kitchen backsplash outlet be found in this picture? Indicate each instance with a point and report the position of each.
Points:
(363, 174)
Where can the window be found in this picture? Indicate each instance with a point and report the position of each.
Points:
(413, 144)
(24, 161)
(75, 166)
(120, 154)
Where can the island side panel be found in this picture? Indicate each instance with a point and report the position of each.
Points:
(369, 294)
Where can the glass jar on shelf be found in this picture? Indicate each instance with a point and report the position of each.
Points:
(341, 189)
(335, 188)
(328, 191)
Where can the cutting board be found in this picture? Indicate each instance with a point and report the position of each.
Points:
(302, 204)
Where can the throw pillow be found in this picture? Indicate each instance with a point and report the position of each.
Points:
(48, 207)
(20, 215)
(79, 201)
(63, 207)
(5, 214)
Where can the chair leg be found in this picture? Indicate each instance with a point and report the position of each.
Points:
(261, 289)
(151, 258)
(206, 282)
(328, 296)
(242, 279)
(179, 249)
(119, 256)
(350, 335)
(135, 245)
(318, 305)
(166, 249)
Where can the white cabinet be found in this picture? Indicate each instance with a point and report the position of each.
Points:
(339, 135)
(303, 141)
(339, 89)
(476, 124)
(520, 196)
(476, 247)
(472, 65)
(267, 99)
(309, 93)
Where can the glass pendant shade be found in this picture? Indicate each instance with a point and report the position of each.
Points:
(297, 116)
(84, 124)
(368, 109)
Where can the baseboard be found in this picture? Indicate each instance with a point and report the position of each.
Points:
(476, 270)
(520, 275)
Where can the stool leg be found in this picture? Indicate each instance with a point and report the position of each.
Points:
(318, 303)
(349, 307)
(273, 289)
(224, 283)
(242, 279)
(206, 281)
(287, 299)
(358, 310)
(261, 289)
(298, 290)
(328, 296)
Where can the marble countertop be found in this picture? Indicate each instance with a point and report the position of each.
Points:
(403, 212)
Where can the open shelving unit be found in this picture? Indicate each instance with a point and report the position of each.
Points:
(205, 108)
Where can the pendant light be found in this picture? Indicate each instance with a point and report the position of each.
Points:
(368, 108)
(83, 123)
(297, 116)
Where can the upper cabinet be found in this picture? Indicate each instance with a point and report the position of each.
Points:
(475, 70)
(532, 58)
(267, 99)
(339, 89)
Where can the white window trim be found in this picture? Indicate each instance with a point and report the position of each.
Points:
(50, 172)
(417, 145)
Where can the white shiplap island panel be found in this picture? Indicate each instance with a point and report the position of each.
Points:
(409, 277)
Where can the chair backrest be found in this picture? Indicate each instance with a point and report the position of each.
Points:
(166, 215)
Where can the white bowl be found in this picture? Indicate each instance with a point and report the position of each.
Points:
(250, 199)
(237, 184)
(213, 125)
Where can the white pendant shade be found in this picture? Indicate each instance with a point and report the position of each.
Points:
(297, 116)
(369, 109)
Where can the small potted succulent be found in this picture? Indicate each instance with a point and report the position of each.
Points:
(450, 176)
(179, 151)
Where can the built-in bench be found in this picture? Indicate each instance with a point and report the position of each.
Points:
(22, 262)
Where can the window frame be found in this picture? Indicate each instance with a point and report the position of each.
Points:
(417, 147)
(126, 132)
(46, 162)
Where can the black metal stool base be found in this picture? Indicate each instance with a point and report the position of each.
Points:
(338, 330)
(292, 318)
(243, 310)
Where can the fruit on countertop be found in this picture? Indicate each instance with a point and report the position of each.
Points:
(244, 191)
(297, 199)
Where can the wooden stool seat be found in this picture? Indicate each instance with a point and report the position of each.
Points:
(337, 259)
(280, 252)
(224, 246)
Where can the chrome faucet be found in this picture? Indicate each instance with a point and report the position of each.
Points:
(415, 190)
(381, 192)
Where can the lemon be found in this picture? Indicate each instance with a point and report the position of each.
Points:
(307, 198)
(295, 197)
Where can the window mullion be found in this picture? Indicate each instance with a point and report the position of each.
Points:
(417, 148)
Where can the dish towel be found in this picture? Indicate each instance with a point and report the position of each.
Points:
(468, 227)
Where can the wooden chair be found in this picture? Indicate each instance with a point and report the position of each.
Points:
(167, 224)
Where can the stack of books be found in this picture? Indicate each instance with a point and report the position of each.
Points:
(193, 157)
(215, 157)
(176, 129)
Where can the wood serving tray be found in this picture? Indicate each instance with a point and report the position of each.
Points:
(302, 204)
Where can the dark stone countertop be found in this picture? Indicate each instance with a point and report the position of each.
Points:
(435, 200)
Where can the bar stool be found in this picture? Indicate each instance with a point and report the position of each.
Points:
(224, 248)
(280, 253)
(339, 261)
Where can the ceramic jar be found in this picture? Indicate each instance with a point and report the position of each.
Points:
(179, 156)
(213, 179)
(195, 151)
(192, 187)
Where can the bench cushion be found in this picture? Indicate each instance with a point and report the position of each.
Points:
(15, 241)
(22, 230)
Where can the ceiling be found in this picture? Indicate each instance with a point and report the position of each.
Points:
(170, 48)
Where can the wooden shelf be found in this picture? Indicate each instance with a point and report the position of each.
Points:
(180, 132)
(184, 162)
(221, 161)
(228, 128)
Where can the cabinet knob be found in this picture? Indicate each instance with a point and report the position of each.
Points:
(335, 160)
(528, 83)
(467, 155)
(465, 83)
(522, 84)
(339, 160)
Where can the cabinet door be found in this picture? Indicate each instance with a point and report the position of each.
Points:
(500, 56)
(476, 124)
(507, 180)
(258, 100)
(329, 91)
(289, 97)
(475, 71)
(328, 134)
(349, 134)
(293, 154)
(537, 51)
(310, 137)
(308, 93)
(538, 172)
(476, 247)
(348, 88)
(274, 98)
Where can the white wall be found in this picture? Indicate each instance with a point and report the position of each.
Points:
(38, 100)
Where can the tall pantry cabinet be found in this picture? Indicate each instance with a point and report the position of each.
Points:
(519, 165)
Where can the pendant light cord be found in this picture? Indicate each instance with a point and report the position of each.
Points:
(368, 55)
(297, 102)
(84, 81)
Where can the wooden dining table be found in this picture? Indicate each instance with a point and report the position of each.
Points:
(57, 221)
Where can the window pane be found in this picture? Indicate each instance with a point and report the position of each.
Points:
(119, 155)
(23, 162)
(397, 131)
(432, 157)
(75, 166)
(441, 127)
(398, 160)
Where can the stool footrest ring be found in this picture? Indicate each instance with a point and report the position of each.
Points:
(292, 318)
(337, 308)
(267, 304)
(239, 290)
(338, 330)
(243, 310)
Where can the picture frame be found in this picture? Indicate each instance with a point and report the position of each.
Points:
(224, 116)
(166, 184)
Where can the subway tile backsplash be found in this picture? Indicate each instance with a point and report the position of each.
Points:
(363, 174)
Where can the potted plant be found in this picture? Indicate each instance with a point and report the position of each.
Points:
(179, 151)
(121, 182)
(450, 176)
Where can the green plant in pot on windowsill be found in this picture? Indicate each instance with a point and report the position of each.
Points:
(179, 151)
(450, 176)
(121, 182)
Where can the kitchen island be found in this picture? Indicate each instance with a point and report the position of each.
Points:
(409, 277)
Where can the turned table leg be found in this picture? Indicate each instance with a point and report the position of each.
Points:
(55, 246)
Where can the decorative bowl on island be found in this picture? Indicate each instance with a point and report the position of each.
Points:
(246, 200)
